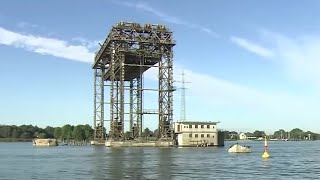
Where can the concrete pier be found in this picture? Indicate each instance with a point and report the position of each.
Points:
(45, 142)
(95, 142)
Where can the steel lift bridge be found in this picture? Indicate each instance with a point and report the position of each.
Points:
(126, 54)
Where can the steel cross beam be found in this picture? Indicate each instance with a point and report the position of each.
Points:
(129, 50)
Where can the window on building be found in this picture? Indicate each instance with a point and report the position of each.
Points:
(196, 135)
(202, 135)
(195, 126)
(208, 126)
(208, 135)
(190, 135)
(190, 126)
(202, 126)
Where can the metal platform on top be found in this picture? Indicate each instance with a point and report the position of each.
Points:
(133, 66)
(134, 37)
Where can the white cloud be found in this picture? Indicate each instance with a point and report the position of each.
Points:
(91, 45)
(252, 47)
(225, 93)
(230, 94)
(299, 56)
(46, 46)
(165, 17)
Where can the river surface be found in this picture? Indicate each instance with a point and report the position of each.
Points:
(289, 160)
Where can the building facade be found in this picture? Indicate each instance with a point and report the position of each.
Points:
(242, 136)
(197, 134)
(247, 136)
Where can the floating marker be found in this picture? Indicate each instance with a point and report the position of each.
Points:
(265, 154)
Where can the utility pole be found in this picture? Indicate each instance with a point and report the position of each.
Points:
(183, 99)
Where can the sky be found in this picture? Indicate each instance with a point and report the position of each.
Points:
(252, 65)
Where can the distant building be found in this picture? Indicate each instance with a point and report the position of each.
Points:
(198, 134)
(244, 136)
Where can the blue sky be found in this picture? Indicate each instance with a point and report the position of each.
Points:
(252, 65)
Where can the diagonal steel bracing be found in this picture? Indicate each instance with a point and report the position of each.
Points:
(99, 133)
(129, 51)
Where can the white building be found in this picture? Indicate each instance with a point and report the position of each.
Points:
(197, 134)
(242, 136)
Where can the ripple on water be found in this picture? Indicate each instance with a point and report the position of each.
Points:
(299, 160)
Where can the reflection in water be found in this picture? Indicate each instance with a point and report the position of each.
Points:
(117, 163)
(289, 160)
(165, 163)
(116, 160)
(134, 163)
(99, 162)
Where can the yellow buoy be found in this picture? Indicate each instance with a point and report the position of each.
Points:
(265, 153)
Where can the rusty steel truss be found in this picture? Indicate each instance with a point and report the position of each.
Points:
(130, 50)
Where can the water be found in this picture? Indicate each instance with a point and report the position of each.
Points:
(299, 160)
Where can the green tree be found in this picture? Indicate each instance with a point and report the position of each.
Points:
(29, 128)
(280, 134)
(156, 133)
(78, 133)
(15, 132)
(5, 131)
(258, 133)
(88, 132)
(49, 131)
(66, 132)
(36, 134)
(306, 135)
(226, 134)
(296, 134)
(127, 134)
(146, 132)
(42, 135)
(233, 135)
(57, 133)
(26, 135)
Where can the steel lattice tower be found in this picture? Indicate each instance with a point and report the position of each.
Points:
(129, 50)
(183, 117)
(183, 100)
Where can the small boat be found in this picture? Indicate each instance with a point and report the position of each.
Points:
(237, 148)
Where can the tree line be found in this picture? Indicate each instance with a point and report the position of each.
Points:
(85, 132)
(294, 134)
(66, 132)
